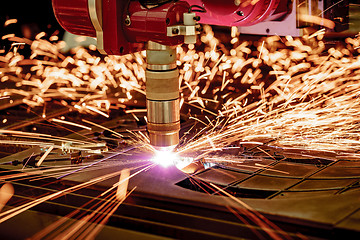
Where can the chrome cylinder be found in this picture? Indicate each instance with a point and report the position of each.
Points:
(169, 108)
(162, 94)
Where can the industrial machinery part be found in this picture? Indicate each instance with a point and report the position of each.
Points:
(123, 27)
(280, 17)
(162, 95)
(126, 26)
(240, 13)
(275, 17)
(294, 24)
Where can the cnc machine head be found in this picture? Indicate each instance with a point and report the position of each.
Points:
(123, 27)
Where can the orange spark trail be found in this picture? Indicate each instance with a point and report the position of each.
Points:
(6, 192)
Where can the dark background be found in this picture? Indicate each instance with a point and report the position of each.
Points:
(33, 17)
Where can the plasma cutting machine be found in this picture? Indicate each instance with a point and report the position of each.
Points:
(126, 26)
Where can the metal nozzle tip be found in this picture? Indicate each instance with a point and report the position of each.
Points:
(164, 135)
(159, 140)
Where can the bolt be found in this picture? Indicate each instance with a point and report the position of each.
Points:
(175, 31)
(240, 13)
(197, 18)
(127, 21)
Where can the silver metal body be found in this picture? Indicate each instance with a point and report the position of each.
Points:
(162, 95)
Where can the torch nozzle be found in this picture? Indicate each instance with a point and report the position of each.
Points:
(162, 93)
(163, 122)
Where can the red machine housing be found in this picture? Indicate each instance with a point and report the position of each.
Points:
(73, 16)
(119, 36)
(152, 24)
(126, 25)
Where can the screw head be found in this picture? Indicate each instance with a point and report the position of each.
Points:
(127, 21)
(197, 18)
(240, 13)
(175, 31)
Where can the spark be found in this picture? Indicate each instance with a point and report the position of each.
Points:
(135, 111)
(4, 216)
(338, 2)
(96, 162)
(32, 154)
(44, 156)
(47, 144)
(97, 111)
(102, 127)
(70, 123)
(135, 117)
(290, 123)
(100, 226)
(318, 20)
(41, 136)
(126, 179)
(6, 192)
(10, 21)
(261, 49)
(123, 184)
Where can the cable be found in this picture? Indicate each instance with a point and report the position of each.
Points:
(153, 3)
(199, 9)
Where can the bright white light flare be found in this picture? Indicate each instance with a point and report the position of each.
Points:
(165, 158)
